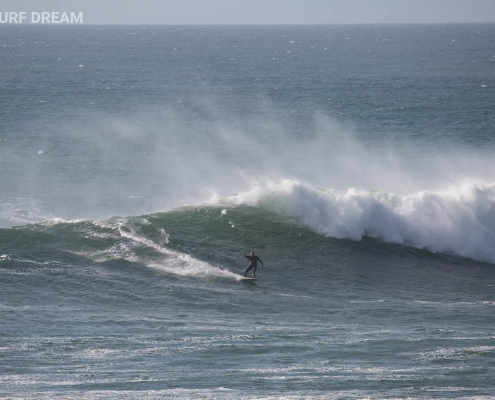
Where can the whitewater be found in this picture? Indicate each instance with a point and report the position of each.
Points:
(458, 221)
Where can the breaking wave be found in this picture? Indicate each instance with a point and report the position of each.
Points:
(459, 220)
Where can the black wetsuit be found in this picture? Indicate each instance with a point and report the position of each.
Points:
(253, 264)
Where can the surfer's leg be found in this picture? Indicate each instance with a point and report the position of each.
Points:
(247, 270)
(254, 271)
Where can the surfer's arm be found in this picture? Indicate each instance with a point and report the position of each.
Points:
(259, 259)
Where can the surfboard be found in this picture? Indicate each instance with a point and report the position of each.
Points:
(248, 279)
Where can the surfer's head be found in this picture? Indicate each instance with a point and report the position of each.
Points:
(252, 253)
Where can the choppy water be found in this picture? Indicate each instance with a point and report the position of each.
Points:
(137, 162)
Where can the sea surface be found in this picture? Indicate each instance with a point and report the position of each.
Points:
(137, 162)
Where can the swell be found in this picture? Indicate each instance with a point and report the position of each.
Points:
(59, 244)
(289, 223)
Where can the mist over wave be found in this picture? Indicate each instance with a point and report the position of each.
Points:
(333, 179)
(99, 165)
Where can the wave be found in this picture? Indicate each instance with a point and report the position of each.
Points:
(459, 220)
(203, 241)
(134, 240)
(164, 259)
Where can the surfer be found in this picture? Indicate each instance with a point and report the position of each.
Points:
(253, 263)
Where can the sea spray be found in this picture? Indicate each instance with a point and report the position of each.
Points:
(166, 156)
(132, 245)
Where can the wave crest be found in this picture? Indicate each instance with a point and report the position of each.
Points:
(459, 220)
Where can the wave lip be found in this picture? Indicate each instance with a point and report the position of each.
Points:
(459, 220)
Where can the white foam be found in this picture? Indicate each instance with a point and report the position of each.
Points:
(170, 261)
(459, 220)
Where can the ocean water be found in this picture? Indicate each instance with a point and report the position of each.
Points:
(357, 161)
